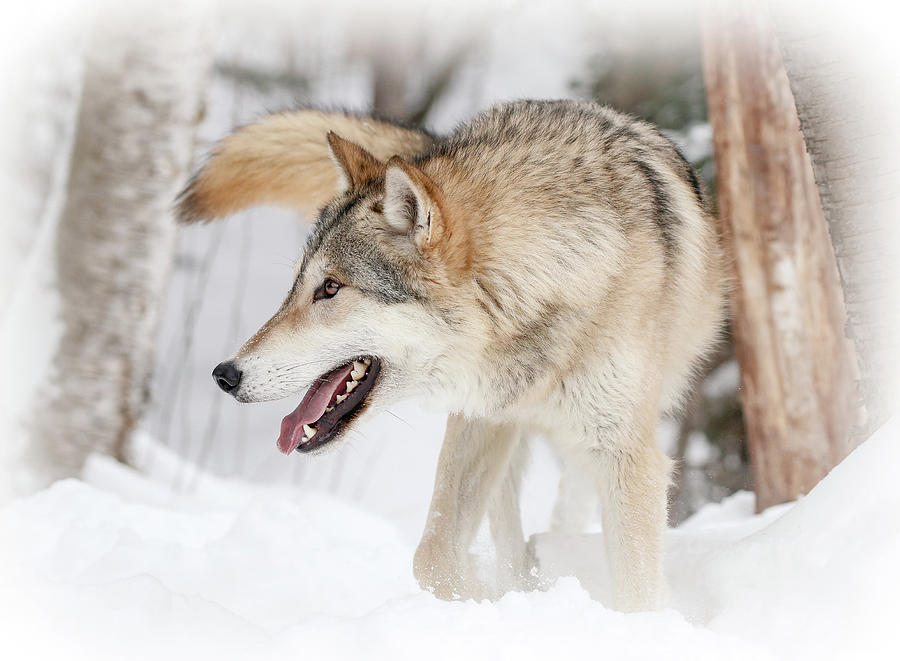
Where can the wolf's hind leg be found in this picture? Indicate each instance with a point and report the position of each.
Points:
(514, 562)
(576, 498)
(474, 461)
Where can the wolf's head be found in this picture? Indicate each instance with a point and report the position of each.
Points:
(372, 316)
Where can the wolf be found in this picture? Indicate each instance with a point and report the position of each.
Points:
(548, 268)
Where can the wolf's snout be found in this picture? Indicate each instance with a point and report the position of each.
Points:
(227, 376)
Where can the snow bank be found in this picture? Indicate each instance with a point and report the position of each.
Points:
(118, 566)
(815, 579)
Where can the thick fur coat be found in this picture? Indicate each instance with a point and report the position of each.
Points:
(549, 268)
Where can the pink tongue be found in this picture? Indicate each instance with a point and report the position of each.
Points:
(320, 396)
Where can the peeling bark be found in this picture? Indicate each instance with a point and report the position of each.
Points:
(798, 369)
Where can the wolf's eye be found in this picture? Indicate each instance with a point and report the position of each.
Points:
(328, 289)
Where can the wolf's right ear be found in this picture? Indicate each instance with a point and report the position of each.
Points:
(286, 159)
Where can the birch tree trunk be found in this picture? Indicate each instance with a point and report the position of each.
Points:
(143, 78)
(797, 367)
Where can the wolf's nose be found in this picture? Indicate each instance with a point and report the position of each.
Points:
(227, 376)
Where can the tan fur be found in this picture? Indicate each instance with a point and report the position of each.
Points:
(285, 160)
(553, 271)
(356, 164)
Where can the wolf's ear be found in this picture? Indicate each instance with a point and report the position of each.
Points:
(355, 165)
(411, 203)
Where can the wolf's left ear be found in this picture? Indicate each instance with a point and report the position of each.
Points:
(411, 203)
(355, 165)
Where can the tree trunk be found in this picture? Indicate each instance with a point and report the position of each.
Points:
(133, 145)
(846, 93)
(797, 367)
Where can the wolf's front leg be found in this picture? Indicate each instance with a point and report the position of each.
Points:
(633, 485)
(474, 460)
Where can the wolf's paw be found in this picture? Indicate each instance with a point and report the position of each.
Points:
(445, 577)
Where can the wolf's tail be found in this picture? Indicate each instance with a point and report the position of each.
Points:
(284, 160)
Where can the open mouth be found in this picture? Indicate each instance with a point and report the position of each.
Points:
(334, 399)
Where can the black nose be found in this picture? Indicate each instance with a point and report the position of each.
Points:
(227, 376)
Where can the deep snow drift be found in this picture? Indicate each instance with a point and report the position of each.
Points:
(118, 566)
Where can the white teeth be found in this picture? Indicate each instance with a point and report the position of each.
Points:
(351, 385)
(329, 409)
(308, 431)
(340, 398)
(359, 370)
(367, 361)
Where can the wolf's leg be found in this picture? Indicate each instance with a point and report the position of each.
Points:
(514, 562)
(474, 460)
(576, 499)
(634, 477)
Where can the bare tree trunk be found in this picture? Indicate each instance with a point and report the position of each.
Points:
(846, 93)
(797, 367)
(133, 145)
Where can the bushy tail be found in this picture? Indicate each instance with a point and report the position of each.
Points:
(284, 160)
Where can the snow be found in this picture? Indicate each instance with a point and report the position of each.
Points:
(119, 565)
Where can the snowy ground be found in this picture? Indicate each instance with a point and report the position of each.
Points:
(117, 565)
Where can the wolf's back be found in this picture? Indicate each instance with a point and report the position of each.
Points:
(284, 160)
